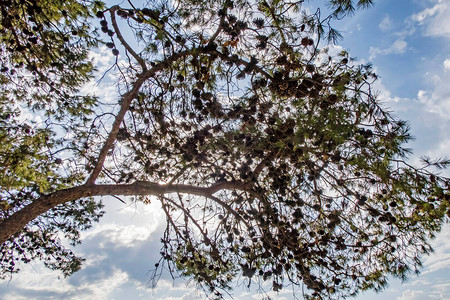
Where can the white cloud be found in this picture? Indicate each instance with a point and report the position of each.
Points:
(438, 99)
(127, 225)
(435, 19)
(137, 208)
(428, 114)
(443, 288)
(329, 51)
(120, 235)
(437, 288)
(105, 287)
(440, 259)
(37, 282)
(420, 17)
(398, 47)
(191, 295)
(26, 117)
(386, 23)
(415, 295)
(105, 89)
(102, 59)
(447, 64)
(15, 296)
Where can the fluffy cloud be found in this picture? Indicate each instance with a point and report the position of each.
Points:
(38, 283)
(416, 295)
(436, 287)
(435, 19)
(126, 226)
(440, 260)
(398, 47)
(124, 236)
(437, 100)
(119, 253)
(386, 23)
(447, 64)
(105, 90)
(102, 59)
(428, 114)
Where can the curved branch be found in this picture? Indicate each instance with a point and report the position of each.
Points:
(219, 29)
(125, 105)
(122, 40)
(21, 218)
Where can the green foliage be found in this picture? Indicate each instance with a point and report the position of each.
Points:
(41, 239)
(44, 60)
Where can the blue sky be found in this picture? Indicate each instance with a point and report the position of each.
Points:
(408, 43)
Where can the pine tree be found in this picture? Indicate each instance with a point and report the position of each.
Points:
(278, 162)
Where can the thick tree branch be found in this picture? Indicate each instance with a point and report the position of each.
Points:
(125, 105)
(21, 218)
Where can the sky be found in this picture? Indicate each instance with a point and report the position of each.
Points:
(408, 43)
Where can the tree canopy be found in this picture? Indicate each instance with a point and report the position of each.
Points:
(270, 154)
